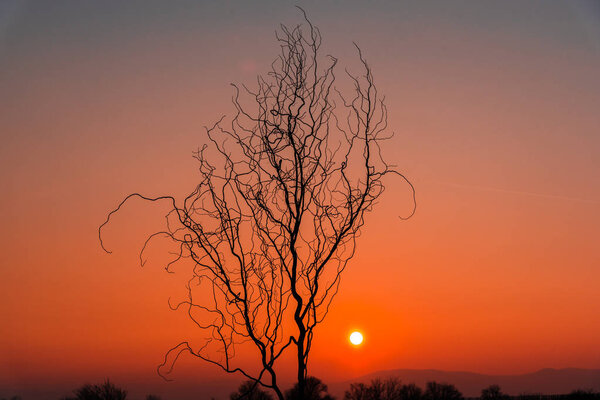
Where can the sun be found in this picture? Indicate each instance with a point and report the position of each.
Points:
(356, 338)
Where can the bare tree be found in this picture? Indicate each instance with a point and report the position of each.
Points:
(389, 389)
(493, 392)
(104, 391)
(441, 391)
(284, 188)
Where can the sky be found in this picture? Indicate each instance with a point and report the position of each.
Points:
(494, 106)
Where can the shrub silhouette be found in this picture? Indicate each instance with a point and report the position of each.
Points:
(390, 389)
(581, 394)
(249, 390)
(152, 397)
(377, 390)
(529, 396)
(441, 391)
(314, 389)
(493, 392)
(105, 391)
(411, 392)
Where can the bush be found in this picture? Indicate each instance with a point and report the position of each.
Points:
(390, 389)
(411, 392)
(581, 394)
(105, 391)
(314, 390)
(441, 391)
(493, 392)
(250, 390)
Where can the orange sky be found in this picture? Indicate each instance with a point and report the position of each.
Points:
(495, 109)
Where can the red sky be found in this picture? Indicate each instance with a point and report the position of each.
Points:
(495, 109)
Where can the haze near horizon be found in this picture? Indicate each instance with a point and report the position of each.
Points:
(494, 106)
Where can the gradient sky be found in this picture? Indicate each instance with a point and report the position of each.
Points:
(495, 106)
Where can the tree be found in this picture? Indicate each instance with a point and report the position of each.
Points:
(411, 392)
(105, 391)
(313, 389)
(389, 389)
(249, 390)
(284, 187)
(583, 394)
(441, 391)
(493, 392)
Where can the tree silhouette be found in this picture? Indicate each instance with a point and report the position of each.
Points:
(411, 392)
(313, 389)
(493, 392)
(249, 390)
(583, 394)
(441, 391)
(105, 391)
(389, 389)
(270, 227)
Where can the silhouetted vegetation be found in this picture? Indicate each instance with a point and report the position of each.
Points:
(105, 391)
(313, 389)
(284, 188)
(529, 396)
(393, 389)
(581, 394)
(389, 389)
(493, 392)
(411, 392)
(249, 390)
(441, 391)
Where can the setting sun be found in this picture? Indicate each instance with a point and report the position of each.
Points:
(356, 338)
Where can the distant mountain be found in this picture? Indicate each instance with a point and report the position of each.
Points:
(545, 381)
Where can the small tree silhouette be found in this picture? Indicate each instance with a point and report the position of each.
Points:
(411, 392)
(441, 391)
(314, 389)
(249, 390)
(493, 392)
(584, 394)
(273, 222)
(105, 391)
(389, 389)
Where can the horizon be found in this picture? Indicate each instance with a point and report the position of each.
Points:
(494, 107)
(183, 389)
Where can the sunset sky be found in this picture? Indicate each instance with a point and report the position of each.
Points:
(495, 107)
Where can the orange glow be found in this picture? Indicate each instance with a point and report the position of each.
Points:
(497, 272)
